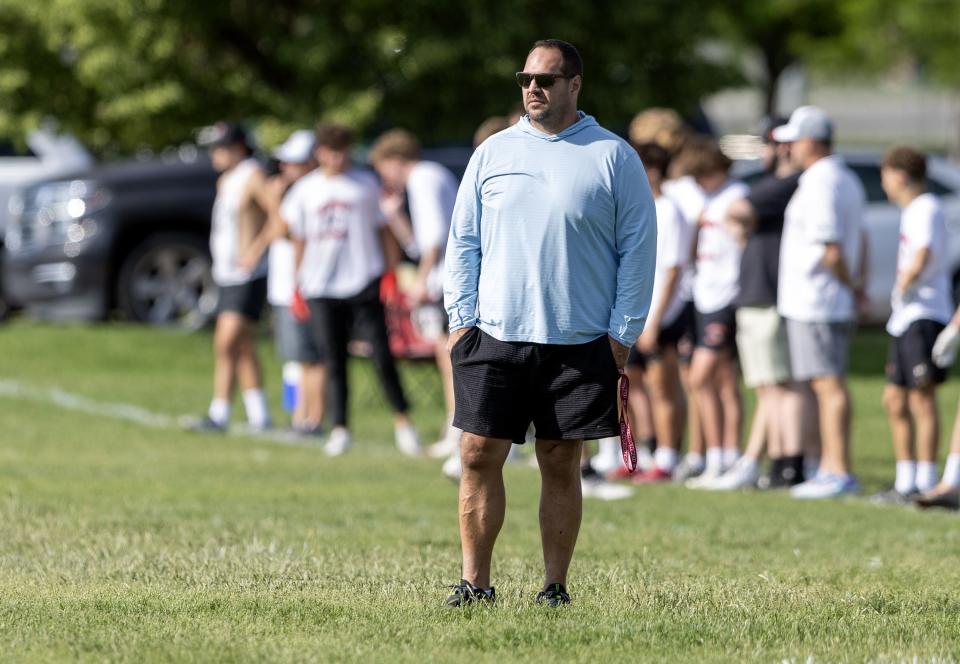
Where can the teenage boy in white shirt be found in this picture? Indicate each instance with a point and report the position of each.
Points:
(654, 357)
(338, 235)
(713, 369)
(922, 305)
(820, 254)
(430, 191)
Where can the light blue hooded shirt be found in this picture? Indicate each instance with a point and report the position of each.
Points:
(553, 238)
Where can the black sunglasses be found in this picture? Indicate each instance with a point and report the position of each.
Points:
(543, 80)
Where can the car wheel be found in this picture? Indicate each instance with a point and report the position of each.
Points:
(166, 280)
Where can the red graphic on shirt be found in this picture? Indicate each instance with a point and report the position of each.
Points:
(333, 220)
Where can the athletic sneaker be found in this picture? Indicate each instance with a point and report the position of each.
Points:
(893, 497)
(937, 497)
(446, 445)
(452, 468)
(704, 479)
(408, 440)
(597, 487)
(203, 425)
(620, 473)
(553, 595)
(338, 443)
(653, 476)
(826, 485)
(465, 593)
(742, 475)
(686, 470)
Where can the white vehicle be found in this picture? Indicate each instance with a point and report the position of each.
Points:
(882, 221)
(48, 154)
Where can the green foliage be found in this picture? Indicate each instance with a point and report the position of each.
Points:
(122, 74)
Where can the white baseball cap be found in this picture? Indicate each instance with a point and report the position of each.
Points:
(805, 122)
(298, 149)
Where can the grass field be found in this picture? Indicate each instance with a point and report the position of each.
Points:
(126, 542)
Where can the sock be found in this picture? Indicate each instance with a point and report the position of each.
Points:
(792, 470)
(694, 461)
(776, 467)
(665, 458)
(219, 411)
(714, 458)
(730, 456)
(906, 481)
(926, 475)
(951, 471)
(255, 403)
(650, 444)
(610, 447)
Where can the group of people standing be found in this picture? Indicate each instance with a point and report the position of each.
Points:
(566, 259)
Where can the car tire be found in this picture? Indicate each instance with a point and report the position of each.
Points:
(166, 281)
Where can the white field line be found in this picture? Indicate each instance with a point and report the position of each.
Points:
(69, 401)
(56, 396)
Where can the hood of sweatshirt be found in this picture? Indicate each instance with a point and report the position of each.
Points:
(585, 121)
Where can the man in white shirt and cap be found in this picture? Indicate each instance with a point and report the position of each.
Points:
(820, 257)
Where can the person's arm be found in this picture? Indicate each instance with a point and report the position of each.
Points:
(391, 205)
(636, 242)
(431, 224)
(947, 343)
(462, 261)
(651, 330)
(269, 197)
(741, 220)
(834, 261)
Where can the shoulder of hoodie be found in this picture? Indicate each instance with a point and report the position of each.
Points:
(621, 150)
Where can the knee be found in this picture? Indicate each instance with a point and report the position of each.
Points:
(922, 401)
(894, 402)
(559, 460)
(477, 454)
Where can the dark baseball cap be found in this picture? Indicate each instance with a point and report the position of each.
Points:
(222, 133)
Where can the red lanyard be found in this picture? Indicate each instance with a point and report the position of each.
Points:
(627, 445)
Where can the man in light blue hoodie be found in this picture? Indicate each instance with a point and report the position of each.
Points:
(549, 274)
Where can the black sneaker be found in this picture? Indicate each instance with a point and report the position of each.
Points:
(465, 593)
(553, 595)
(202, 425)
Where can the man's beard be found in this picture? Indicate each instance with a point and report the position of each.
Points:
(545, 112)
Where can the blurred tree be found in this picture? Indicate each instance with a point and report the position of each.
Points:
(125, 74)
(780, 32)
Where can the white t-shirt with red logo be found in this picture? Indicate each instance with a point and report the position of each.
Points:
(431, 194)
(922, 226)
(339, 218)
(717, 280)
(673, 251)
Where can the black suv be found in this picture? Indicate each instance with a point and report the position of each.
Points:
(129, 236)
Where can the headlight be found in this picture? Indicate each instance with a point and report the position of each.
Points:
(54, 213)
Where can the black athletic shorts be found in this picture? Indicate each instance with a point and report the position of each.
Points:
(569, 392)
(245, 299)
(717, 330)
(670, 336)
(909, 359)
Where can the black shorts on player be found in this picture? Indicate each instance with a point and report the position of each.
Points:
(909, 359)
(717, 330)
(670, 336)
(569, 392)
(245, 299)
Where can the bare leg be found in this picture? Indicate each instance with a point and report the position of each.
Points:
(483, 503)
(226, 341)
(312, 394)
(923, 409)
(792, 414)
(833, 402)
(695, 442)
(663, 385)
(758, 439)
(901, 427)
(249, 375)
(732, 403)
(703, 376)
(641, 411)
(561, 505)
